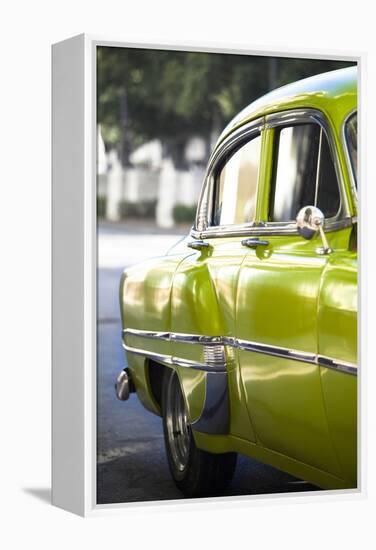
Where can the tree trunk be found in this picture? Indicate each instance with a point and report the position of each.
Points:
(126, 138)
(273, 73)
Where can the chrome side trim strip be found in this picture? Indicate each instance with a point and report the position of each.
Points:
(276, 351)
(181, 337)
(342, 366)
(195, 339)
(267, 229)
(176, 361)
(216, 359)
(147, 334)
(149, 354)
(177, 337)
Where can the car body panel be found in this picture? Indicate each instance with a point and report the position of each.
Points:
(207, 282)
(277, 305)
(230, 443)
(145, 289)
(278, 297)
(218, 314)
(337, 319)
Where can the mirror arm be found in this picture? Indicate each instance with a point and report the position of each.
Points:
(326, 248)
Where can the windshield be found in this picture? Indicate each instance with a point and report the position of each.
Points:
(351, 133)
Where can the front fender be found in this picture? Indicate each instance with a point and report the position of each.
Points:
(145, 305)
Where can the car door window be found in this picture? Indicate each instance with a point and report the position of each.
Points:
(236, 185)
(303, 173)
(351, 133)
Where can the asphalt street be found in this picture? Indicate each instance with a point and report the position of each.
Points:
(131, 462)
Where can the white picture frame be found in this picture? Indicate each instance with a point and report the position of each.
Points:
(74, 274)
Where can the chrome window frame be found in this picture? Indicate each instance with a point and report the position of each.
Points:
(274, 120)
(350, 168)
(234, 141)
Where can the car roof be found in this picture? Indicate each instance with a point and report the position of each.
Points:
(334, 92)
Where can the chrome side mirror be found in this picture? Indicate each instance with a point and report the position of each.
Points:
(310, 220)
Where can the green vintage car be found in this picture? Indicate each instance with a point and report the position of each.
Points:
(243, 337)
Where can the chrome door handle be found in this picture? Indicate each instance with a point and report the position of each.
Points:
(198, 245)
(254, 243)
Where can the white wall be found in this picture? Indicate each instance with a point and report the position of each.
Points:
(163, 183)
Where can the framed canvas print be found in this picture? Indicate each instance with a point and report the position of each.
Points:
(205, 274)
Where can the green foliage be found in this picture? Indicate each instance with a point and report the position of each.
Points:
(133, 210)
(183, 213)
(171, 95)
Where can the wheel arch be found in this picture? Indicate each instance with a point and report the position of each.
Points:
(155, 374)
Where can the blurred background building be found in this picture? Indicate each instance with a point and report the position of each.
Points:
(150, 187)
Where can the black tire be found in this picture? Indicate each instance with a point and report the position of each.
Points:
(196, 473)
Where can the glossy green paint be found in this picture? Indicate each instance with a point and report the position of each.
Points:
(224, 444)
(337, 319)
(284, 397)
(204, 302)
(145, 292)
(297, 416)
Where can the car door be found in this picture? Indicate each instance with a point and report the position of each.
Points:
(279, 287)
(204, 288)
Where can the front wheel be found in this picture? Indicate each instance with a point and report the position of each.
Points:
(195, 472)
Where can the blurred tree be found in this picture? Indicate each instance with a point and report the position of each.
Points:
(171, 95)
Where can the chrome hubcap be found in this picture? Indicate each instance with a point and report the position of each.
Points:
(178, 428)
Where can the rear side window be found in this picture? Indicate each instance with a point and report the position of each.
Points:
(303, 173)
(236, 185)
